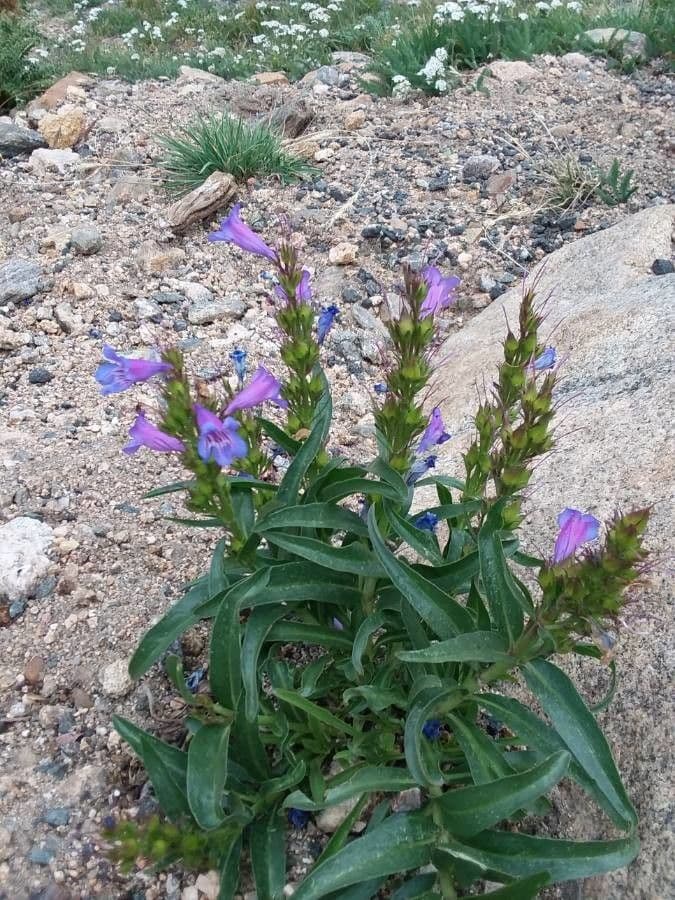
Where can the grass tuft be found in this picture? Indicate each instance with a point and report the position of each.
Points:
(225, 144)
(20, 79)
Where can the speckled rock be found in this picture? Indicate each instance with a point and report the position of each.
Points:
(19, 280)
(114, 678)
(23, 556)
(615, 450)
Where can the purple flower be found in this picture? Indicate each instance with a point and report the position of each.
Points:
(219, 440)
(337, 624)
(426, 522)
(440, 294)
(233, 231)
(120, 372)
(432, 729)
(419, 467)
(298, 817)
(144, 434)
(238, 357)
(262, 386)
(576, 528)
(380, 388)
(434, 433)
(325, 322)
(545, 360)
(303, 292)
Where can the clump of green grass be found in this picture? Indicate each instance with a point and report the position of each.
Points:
(225, 144)
(20, 79)
(571, 185)
(616, 187)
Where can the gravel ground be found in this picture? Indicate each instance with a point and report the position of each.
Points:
(395, 181)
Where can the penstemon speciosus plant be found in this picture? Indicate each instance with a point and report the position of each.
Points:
(415, 619)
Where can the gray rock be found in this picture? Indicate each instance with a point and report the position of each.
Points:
(19, 280)
(365, 318)
(114, 678)
(662, 267)
(23, 556)
(166, 297)
(479, 166)
(227, 308)
(614, 450)
(327, 75)
(15, 140)
(292, 118)
(44, 160)
(196, 293)
(486, 283)
(146, 309)
(56, 816)
(39, 375)
(632, 43)
(86, 240)
(41, 856)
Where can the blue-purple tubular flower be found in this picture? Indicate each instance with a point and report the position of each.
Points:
(325, 322)
(426, 522)
(262, 386)
(144, 434)
(380, 388)
(432, 729)
(233, 231)
(440, 293)
(298, 817)
(121, 372)
(545, 360)
(419, 467)
(238, 358)
(576, 528)
(303, 292)
(434, 433)
(219, 439)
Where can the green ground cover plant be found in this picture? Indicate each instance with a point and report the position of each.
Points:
(368, 619)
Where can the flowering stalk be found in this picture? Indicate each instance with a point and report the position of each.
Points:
(401, 419)
(513, 429)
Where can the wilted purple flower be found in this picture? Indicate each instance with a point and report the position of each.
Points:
(364, 509)
(380, 388)
(120, 372)
(337, 624)
(545, 360)
(303, 292)
(219, 440)
(195, 678)
(419, 467)
(144, 434)
(576, 528)
(440, 293)
(233, 231)
(426, 522)
(238, 357)
(262, 386)
(298, 817)
(432, 729)
(434, 433)
(325, 322)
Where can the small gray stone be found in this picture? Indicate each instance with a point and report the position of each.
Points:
(479, 166)
(17, 609)
(662, 267)
(86, 240)
(328, 75)
(632, 43)
(19, 280)
(56, 816)
(146, 309)
(486, 283)
(41, 856)
(365, 318)
(196, 293)
(227, 308)
(39, 375)
(166, 297)
(15, 140)
(114, 678)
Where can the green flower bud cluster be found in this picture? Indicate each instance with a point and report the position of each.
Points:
(578, 597)
(513, 429)
(300, 348)
(401, 418)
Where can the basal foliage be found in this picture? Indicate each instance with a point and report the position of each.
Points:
(362, 633)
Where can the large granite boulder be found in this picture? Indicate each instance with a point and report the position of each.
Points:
(613, 324)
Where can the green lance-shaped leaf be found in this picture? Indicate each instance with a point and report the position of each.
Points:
(415, 887)
(258, 626)
(531, 730)
(523, 889)
(225, 659)
(296, 582)
(217, 572)
(290, 484)
(206, 774)
(313, 515)
(354, 558)
(366, 629)
(441, 612)
(505, 600)
(486, 762)
(476, 646)
(368, 486)
(370, 779)
(577, 727)
(522, 855)
(419, 753)
(400, 843)
(166, 767)
(180, 617)
(230, 867)
(467, 811)
(316, 712)
(299, 633)
(268, 856)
